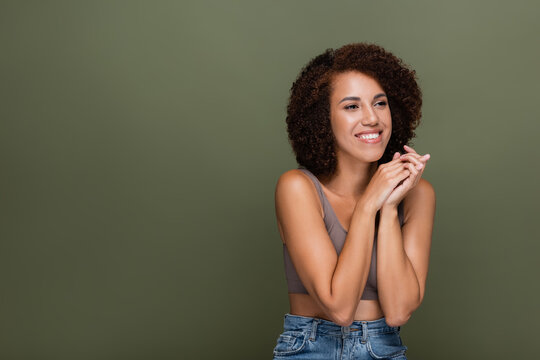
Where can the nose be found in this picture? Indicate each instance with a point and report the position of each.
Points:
(369, 117)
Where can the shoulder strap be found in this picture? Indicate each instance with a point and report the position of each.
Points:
(322, 197)
(315, 181)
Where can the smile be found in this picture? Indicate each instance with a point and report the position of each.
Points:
(372, 138)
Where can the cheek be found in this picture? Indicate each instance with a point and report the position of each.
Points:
(341, 131)
(388, 120)
(341, 138)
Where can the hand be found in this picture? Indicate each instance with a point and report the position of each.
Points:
(416, 165)
(383, 182)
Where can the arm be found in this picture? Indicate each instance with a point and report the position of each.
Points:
(335, 283)
(403, 253)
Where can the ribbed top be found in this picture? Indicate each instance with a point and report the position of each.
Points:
(337, 234)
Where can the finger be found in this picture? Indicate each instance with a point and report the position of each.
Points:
(400, 172)
(417, 174)
(396, 155)
(395, 165)
(418, 163)
(409, 149)
(392, 163)
(402, 175)
(413, 169)
(414, 178)
(424, 158)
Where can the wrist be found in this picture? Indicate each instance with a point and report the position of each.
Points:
(389, 209)
(365, 207)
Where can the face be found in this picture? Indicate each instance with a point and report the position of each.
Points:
(360, 116)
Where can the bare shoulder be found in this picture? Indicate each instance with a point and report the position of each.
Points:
(292, 182)
(424, 188)
(295, 184)
(293, 178)
(421, 199)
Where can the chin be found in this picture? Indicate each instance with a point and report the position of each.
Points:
(372, 157)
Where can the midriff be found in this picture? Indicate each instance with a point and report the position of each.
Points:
(304, 305)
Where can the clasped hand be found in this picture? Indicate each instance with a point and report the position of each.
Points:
(416, 164)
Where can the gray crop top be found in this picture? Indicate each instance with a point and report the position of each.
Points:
(337, 234)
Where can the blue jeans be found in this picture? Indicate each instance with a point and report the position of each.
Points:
(314, 338)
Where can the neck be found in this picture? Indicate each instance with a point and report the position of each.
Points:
(350, 180)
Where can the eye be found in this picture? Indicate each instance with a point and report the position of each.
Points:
(350, 106)
(381, 103)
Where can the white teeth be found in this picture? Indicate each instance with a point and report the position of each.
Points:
(369, 136)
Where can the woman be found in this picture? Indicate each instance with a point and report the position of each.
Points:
(356, 217)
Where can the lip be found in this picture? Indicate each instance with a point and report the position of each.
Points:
(370, 141)
(368, 132)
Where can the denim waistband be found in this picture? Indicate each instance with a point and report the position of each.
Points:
(323, 326)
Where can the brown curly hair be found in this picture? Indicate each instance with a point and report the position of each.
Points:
(308, 111)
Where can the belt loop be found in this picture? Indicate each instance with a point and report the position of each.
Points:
(364, 332)
(314, 324)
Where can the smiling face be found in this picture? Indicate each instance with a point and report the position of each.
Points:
(360, 116)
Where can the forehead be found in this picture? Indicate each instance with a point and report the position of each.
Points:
(354, 83)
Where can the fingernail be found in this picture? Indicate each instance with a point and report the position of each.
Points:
(419, 166)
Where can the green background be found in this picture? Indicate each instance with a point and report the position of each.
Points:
(140, 145)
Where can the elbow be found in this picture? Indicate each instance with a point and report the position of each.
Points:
(397, 319)
(343, 321)
(336, 310)
(343, 318)
(400, 318)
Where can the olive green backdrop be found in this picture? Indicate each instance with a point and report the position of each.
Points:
(140, 145)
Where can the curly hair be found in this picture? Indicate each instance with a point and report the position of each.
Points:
(308, 110)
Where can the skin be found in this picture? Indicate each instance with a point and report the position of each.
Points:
(356, 191)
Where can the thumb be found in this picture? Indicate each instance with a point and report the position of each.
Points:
(396, 155)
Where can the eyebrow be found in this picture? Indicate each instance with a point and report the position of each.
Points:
(358, 99)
